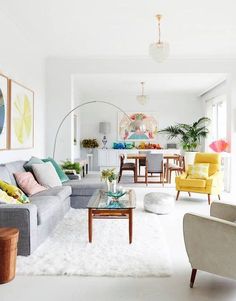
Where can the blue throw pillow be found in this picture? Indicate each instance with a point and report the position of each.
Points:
(33, 160)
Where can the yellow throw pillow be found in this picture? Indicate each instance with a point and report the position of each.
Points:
(198, 171)
(6, 199)
(15, 192)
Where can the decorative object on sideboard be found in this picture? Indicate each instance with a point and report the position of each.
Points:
(142, 99)
(76, 108)
(4, 113)
(104, 128)
(22, 116)
(159, 50)
(123, 145)
(149, 145)
(90, 144)
(143, 126)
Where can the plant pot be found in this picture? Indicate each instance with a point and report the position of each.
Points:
(189, 158)
(112, 186)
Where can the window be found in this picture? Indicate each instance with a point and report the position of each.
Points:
(219, 126)
(216, 110)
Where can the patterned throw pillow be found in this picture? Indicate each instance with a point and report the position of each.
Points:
(6, 199)
(15, 192)
(198, 171)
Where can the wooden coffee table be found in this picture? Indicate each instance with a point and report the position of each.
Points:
(100, 206)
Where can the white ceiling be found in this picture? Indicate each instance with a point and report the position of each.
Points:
(110, 85)
(194, 29)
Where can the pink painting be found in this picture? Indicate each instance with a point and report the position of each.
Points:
(139, 126)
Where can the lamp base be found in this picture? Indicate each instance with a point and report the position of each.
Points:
(104, 141)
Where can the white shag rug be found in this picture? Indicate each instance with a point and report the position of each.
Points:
(68, 252)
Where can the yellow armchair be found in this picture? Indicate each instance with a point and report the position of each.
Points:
(209, 186)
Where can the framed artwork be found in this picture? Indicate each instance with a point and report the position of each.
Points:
(143, 126)
(4, 113)
(22, 116)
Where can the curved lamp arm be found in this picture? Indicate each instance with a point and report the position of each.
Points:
(77, 107)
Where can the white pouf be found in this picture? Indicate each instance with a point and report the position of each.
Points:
(159, 202)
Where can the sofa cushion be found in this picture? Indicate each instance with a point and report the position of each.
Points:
(7, 199)
(198, 171)
(14, 191)
(62, 192)
(33, 160)
(46, 207)
(4, 174)
(80, 188)
(13, 167)
(63, 177)
(194, 183)
(46, 175)
(27, 183)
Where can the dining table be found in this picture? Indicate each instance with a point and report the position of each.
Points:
(137, 157)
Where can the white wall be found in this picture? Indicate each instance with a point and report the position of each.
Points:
(21, 61)
(168, 109)
(59, 71)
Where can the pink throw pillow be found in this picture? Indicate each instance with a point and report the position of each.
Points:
(27, 183)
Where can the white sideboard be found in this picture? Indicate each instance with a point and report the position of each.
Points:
(110, 158)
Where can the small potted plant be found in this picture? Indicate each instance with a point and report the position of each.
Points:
(71, 169)
(110, 177)
(90, 144)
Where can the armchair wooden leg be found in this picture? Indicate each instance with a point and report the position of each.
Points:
(177, 196)
(189, 194)
(209, 199)
(219, 197)
(193, 276)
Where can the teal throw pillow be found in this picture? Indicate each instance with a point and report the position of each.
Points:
(63, 177)
(33, 160)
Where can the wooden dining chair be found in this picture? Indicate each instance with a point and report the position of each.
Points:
(154, 165)
(142, 162)
(178, 167)
(125, 166)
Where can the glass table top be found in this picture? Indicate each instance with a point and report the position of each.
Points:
(101, 200)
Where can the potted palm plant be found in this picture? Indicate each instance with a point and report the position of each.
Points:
(189, 136)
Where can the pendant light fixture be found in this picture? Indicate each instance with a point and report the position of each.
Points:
(159, 51)
(142, 99)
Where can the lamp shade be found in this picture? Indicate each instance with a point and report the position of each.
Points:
(104, 128)
(159, 51)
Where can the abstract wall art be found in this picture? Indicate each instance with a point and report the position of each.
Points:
(4, 113)
(139, 126)
(22, 116)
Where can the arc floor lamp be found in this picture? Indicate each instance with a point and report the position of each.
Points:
(79, 106)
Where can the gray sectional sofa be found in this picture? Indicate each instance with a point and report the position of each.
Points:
(37, 219)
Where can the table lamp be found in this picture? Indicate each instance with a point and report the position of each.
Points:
(104, 128)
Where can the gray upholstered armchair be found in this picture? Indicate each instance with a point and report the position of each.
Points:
(211, 241)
